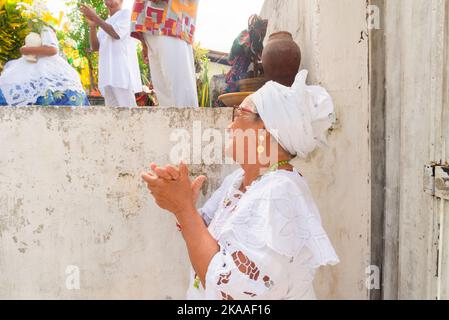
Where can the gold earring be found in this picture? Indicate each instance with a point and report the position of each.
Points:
(261, 149)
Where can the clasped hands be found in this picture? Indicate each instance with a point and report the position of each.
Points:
(173, 189)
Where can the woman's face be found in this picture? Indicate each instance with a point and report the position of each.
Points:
(244, 134)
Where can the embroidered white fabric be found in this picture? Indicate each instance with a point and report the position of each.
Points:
(22, 82)
(271, 240)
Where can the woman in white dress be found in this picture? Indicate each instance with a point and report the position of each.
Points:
(49, 81)
(260, 235)
(118, 66)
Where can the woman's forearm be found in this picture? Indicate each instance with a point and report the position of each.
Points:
(202, 247)
(94, 19)
(42, 51)
(108, 29)
(94, 43)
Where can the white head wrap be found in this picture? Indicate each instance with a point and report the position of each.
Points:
(298, 116)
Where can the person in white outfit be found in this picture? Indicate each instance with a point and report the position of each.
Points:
(166, 29)
(118, 67)
(260, 235)
(49, 81)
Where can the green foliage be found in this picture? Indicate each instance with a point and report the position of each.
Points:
(202, 75)
(13, 30)
(79, 32)
(144, 68)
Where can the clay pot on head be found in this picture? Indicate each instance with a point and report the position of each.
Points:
(281, 58)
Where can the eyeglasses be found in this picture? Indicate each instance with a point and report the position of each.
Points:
(237, 111)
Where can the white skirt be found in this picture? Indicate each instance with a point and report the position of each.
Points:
(23, 82)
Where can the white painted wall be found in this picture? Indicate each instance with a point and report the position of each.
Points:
(417, 73)
(217, 69)
(414, 65)
(329, 34)
(71, 194)
(80, 200)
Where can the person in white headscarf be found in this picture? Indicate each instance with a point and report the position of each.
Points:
(260, 234)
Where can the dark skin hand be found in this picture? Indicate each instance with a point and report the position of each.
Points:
(95, 21)
(42, 51)
(94, 43)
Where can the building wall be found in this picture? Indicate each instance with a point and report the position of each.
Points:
(333, 39)
(417, 122)
(71, 195)
(217, 68)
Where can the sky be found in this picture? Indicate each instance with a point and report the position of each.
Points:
(218, 22)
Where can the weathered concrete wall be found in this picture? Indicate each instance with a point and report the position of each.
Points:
(71, 194)
(417, 105)
(80, 201)
(333, 39)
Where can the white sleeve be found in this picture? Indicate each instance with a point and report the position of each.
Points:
(122, 24)
(258, 247)
(240, 272)
(209, 209)
(49, 38)
(250, 265)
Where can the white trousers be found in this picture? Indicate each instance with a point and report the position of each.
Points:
(172, 69)
(118, 97)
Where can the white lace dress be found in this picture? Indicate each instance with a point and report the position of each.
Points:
(271, 240)
(49, 81)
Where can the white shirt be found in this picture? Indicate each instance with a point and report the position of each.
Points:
(271, 240)
(118, 64)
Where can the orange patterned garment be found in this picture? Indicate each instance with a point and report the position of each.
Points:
(175, 18)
